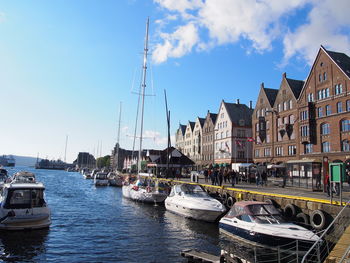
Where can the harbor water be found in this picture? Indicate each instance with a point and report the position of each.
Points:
(96, 224)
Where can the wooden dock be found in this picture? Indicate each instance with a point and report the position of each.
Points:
(193, 255)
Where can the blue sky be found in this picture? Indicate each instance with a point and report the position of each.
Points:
(66, 65)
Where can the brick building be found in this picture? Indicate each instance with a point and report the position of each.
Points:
(208, 139)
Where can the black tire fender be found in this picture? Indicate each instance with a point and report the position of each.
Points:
(303, 218)
(230, 201)
(290, 211)
(224, 197)
(272, 202)
(318, 219)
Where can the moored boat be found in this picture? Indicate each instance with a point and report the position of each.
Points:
(23, 205)
(262, 223)
(192, 201)
(115, 179)
(101, 179)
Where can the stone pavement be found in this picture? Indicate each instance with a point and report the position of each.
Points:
(274, 188)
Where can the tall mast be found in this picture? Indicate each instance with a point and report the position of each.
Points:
(143, 87)
(65, 149)
(120, 112)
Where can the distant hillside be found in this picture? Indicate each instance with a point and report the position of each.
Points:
(25, 161)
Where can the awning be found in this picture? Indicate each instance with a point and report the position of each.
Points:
(305, 161)
(271, 166)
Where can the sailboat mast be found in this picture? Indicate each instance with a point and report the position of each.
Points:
(120, 112)
(65, 149)
(143, 88)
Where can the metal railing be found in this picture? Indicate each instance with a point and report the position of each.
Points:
(346, 257)
(321, 248)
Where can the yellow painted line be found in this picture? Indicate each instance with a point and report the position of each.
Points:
(303, 198)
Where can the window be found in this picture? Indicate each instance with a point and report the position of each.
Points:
(345, 125)
(279, 107)
(308, 148)
(290, 104)
(256, 152)
(279, 151)
(325, 129)
(304, 130)
(310, 97)
(320, 112)
(292, 150)
(324, 76)
(345, 146)
(267, 125)
(327, 92)
(339, 107)
(291, 119)
(285, 106)
(326, 147)
(338, 89)
(304, 115)
(267, 151)
(348, 105)
(240, 154)
(320, 78)
(328, 110)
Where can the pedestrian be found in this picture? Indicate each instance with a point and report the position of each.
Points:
(233, 177)
(220, 176)
(205, 175)
(264, 178)
(216, 176)
(225, 175)
(257, 178)
(328, 184)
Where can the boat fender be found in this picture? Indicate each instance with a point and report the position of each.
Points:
(303, 218)
(230, 201)
(136, 188)
(148, 189)
(318, 219)
(290, 211)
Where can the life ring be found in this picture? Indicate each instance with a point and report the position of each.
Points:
(290, 211)
(230, 201)
(318, 219)
(148, 189)
(303, 218)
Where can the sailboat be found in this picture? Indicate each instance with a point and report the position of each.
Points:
(144, 189)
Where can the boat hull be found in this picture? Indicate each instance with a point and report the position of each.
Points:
(261, 238)
(198, 214)
(101, 182)
(26, 222)
(142, 195)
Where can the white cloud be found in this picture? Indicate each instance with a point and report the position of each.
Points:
(205, 24)
(327, 19)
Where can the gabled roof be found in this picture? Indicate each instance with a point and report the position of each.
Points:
(238, 112)
(191, 123)
(176, 157)
(341, 59)
(182, 128)
(201, 121)
(271, 95)
(296, 86)
(213, 117)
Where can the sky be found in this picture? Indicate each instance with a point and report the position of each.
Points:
(66, 66)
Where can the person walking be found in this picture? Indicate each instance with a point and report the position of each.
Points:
(233, 177)
(220, 176)
(205, 175)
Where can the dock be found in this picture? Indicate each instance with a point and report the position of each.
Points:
(193, 255)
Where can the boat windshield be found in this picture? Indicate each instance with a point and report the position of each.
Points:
(265, 214)
(24, 198)
(193, 190)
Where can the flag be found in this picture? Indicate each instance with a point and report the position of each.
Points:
(250, 139)
(228, 148)
(239, 144)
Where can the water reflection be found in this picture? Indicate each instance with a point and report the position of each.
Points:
(23, 245)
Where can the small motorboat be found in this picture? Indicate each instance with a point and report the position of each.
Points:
(101, 179)
(23, 177)
(261, 223)
(22, 204)
(115, 179)
(192, 201)
(144, 190)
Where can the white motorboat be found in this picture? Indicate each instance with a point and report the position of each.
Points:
(23, 206)
(24, 177)
(144, 190)
(101, 179)
(262, 223)
(192, 201)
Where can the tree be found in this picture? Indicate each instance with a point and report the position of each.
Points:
(103, 161)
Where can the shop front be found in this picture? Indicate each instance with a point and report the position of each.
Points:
(305, 173)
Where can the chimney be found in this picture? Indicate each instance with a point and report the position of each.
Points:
(262, 85)
(250, 104)
(284, 75)
(237, 101)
